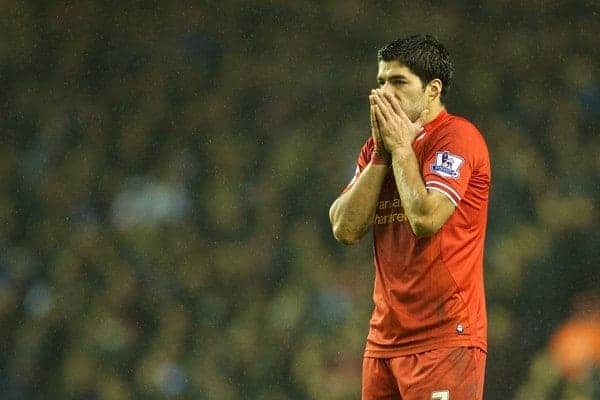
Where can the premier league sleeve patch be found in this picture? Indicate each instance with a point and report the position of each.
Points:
(447, 164)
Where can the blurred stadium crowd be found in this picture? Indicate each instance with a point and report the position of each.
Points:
(166, 170)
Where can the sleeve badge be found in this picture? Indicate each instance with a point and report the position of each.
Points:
(447, 164)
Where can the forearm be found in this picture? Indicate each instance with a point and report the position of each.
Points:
(413, 193)
(352, 213)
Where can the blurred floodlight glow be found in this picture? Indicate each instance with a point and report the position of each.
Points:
(38, 300)
(146, 203)
(170, 379)
(111, 335)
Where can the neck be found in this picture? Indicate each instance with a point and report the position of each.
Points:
(435, 107)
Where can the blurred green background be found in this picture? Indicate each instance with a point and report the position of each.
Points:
(166, 171)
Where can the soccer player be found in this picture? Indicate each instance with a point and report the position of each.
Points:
(422, 182)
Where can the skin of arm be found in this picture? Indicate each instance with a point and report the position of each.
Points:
(426, 210)
(352, 214)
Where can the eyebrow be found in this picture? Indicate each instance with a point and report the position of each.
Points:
(395, 76)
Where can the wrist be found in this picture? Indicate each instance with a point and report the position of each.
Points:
(401, 152)
(380, 156)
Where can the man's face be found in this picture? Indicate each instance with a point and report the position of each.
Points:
(397, 79)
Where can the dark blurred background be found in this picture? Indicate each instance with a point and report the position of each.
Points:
(166, 171)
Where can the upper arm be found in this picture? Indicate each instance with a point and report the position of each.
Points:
(339, 204)
(447, 171)
(363, 159)
(451, 160)
(364, 156)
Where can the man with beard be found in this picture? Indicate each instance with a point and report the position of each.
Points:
(422, 182)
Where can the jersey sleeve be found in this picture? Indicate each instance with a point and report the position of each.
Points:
(449, 164)
(364, 157)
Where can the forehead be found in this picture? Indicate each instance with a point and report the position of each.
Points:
(391, 68)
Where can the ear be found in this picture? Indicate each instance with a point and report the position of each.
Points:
(434, 88)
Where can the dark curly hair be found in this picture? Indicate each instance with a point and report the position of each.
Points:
(424, 55)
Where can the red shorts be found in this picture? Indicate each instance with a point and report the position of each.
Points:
(455, 373)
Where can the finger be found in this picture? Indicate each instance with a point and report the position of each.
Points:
(375, 127)
(382, 107)
(422, 118)
(390, 109)
(372, 100)
(373, 118)
(384, 99)
(379, 116)
(395, 105)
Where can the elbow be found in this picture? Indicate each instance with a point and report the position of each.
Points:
(423, 228)
(342, 232)
(421, 232)
(345, 236)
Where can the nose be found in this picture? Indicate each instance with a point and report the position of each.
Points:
(387, 88)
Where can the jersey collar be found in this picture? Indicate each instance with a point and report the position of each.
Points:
(432, 125)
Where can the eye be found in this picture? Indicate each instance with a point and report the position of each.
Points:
(380, 83)
(398, 82)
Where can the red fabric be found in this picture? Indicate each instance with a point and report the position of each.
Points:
(429, 292)
(442, 374)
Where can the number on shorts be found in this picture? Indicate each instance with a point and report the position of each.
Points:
(440, 395)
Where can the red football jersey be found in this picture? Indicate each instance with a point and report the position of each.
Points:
(429, 292)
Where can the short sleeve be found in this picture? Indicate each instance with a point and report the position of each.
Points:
(449, 164)
(364, 157)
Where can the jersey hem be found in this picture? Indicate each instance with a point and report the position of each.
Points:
(409, 350)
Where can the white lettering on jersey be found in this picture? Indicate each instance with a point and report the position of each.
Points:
(440, 395)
